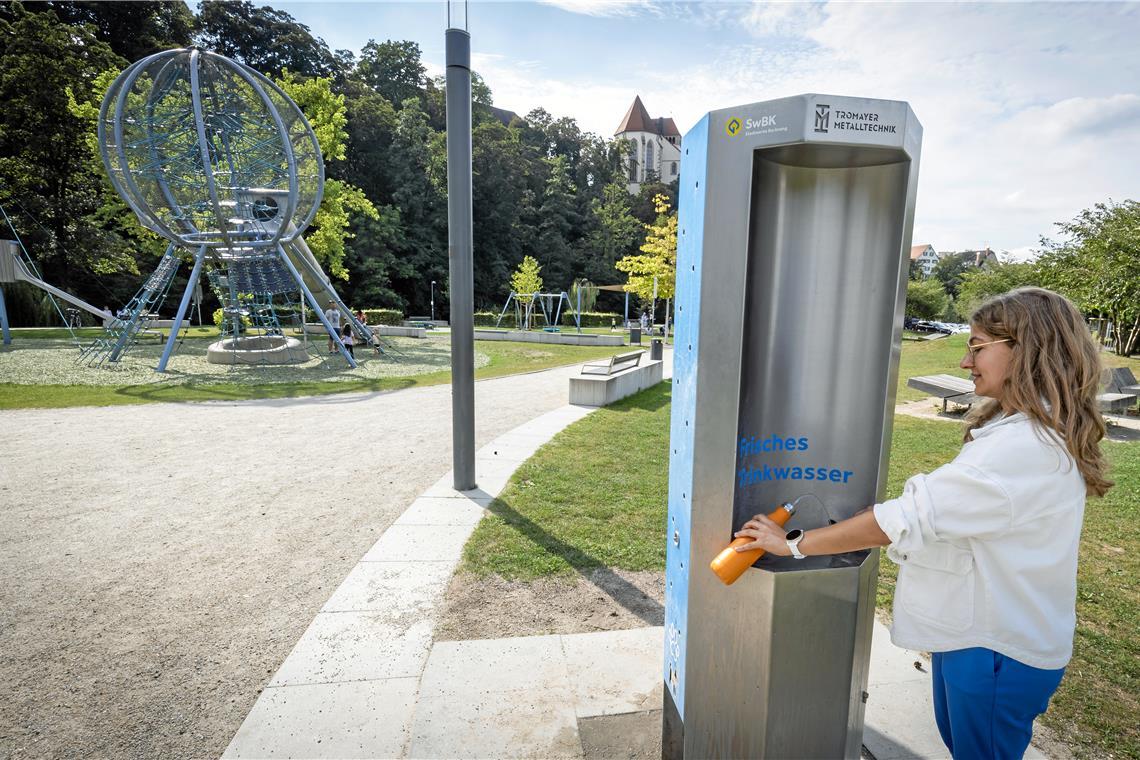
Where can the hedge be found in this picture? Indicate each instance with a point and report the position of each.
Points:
(384, 316)
(589, 319)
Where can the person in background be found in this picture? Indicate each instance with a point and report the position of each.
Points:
(347, 339)
(987, 544)
(332, 314)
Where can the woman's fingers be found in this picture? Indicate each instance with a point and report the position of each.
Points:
(767, 534)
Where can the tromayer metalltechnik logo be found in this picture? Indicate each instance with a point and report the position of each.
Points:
(733, 127)
(822, 117)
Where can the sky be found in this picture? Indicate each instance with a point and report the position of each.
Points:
(1030, 111)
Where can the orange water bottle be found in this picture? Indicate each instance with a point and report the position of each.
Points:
(731, 564)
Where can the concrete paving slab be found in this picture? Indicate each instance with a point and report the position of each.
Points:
(442, 489)
(356, 646)
(494, 468)
(614, 672)
(514, 455)
(891, 664)
(404, 589)
(531, 723)
(419, 543)
(442, 512)
(365, 719)
(486, 665)
(633, 736)
(899, 722)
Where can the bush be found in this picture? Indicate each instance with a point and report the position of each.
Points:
(489, 318)
(383, 316)
(926, 299)
(589, 319)
(593, 318)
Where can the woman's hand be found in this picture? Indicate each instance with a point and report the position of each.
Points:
(768, 536)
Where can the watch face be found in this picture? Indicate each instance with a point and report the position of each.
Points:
(794, 535)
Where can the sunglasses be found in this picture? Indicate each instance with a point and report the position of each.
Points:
(974, 348)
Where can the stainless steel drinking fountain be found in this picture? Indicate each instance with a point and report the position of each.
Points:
(794, 232)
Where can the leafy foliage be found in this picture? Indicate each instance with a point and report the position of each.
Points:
(1098, 266)
(981, 283)
(659, 257)
(541, 186)
(925, 299)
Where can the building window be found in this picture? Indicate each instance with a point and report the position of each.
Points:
(673, 169)
(633, 160)
(649, 157)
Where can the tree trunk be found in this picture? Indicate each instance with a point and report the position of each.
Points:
(1133, 338)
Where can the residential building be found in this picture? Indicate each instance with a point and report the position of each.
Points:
(655, 146)
(984, 257)
(926, 257)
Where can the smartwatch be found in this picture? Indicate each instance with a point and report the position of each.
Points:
(793, 538)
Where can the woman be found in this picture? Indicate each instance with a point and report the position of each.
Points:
(987, 544)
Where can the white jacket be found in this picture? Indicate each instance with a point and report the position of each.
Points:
(987, 547)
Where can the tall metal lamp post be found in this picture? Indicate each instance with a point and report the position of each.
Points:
(461, 286)
(433, 300)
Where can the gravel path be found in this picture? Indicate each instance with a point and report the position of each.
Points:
(158, 562)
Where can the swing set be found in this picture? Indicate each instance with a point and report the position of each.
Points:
(549, 306)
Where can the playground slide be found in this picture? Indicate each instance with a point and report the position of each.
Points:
(314, 277)
(22, 273)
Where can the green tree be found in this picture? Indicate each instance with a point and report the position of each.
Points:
(373, 257)
(525, 282)
(588, 293)
(133, 30)
(926, 299)
(614, 233)
(1097, 265)
(266, 39)
(658, 260)
(420, 197)
(558, 224)
(325, 111)
(948, 270)
(392, 69)
(49, 181)
(981, 283)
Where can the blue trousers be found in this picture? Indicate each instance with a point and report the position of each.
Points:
(985, 702)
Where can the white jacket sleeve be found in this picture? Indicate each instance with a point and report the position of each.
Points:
(956, 501)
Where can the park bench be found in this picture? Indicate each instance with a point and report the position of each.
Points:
(615, 363)
(622, 375)
(1120, 390)
(946, 387)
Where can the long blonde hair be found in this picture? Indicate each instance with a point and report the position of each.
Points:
(1054, 373)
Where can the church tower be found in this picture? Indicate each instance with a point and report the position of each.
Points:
(654, 146)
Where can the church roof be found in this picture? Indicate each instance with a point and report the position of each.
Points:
(637, 119)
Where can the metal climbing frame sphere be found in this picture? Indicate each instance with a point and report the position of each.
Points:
(208, 152)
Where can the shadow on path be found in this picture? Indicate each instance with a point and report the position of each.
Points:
(591, 568)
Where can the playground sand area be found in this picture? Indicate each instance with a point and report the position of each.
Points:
(160, 561)
(56, 362)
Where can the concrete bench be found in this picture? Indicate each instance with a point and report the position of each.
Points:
(531, 336)
(1115, 403)
(603, 390)
(401, 331)
(1120, 390)
(946, 387)
(615, 363)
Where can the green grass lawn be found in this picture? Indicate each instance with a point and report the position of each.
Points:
(494, 359)
(941, 357)
(596, 495)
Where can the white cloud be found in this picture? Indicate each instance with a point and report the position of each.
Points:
(766, 19)
(1028, 109)
(600, 8)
